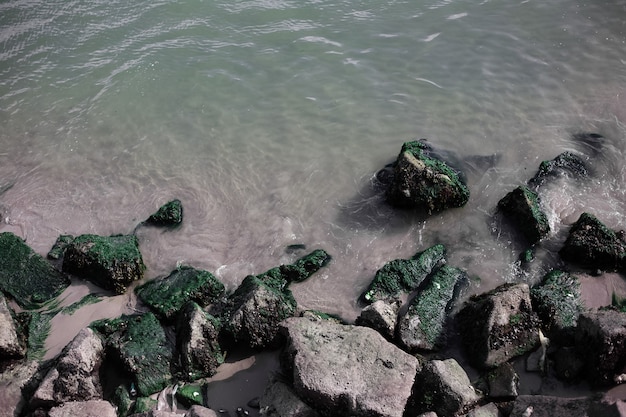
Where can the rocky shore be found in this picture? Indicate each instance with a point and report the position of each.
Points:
(393, 361)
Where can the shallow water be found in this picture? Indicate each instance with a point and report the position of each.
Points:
(268, 120)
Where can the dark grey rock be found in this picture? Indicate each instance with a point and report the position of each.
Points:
(443, 387)
(503, 382)
(381, 316)
(200, 411)
(522, 207)
(12, 342)
(279, 400)
(168, 215)
(75, 376)
(566, 163)
(498, 325)
(347, 370)
(14, 382)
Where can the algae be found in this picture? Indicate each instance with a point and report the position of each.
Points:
(189, 395)
(26, 276)
(306, 266)
(522, 206)
(38, 325)
(86, 300)
(169, 215)
(60, 245)
(167, 295)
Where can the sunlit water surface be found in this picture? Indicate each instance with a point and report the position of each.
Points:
(268, 120)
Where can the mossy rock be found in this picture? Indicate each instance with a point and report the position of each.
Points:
(121, 400)
(564, 163)
(167, 295)
(425, 182)
(522, 207)
(189, 395)
(557, 301)
(404, 275)
(111, 262)
(281, 276)
(168, 215)
(26, 276)
(592, 244)
(58, 249)
(144, 405)
(139, 343)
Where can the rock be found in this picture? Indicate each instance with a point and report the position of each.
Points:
(199, 411)
(422, 326)
(487, 410)
(58, 249)
(547, 406)
(139, 344)
(567, 364)
(303, 268)
(26, 276)
(167, 295)
(498, 325)
(279, 400)
(522, 207)
(91, 408)
(122, 400)
(347, 370)
(156, 413)
(75, 376)
(424, 182)
(601, 341)
(557, 301)
(402, 276)
(381, 316)
(143, 405)
(257, 308)
(566, 163)
(197, 341)
(502, 382)
(168, 215)
(15, 382)
(443, 387)
(593, 245)
(12, 343)
(110, 262)
(189, 395)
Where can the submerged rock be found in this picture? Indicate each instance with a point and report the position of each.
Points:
(424, 182)
(558, 304)
(402, 276)
(591, 244)
(139, 344)
(499, 325)
(26, 276)
(112, 262)
(422, 326)
(12, 343)
(601, 342)
(168, 215)
(256, 309)
(564, 163)
(197, 335)
(347, 370)
(522, 207)
(443, 387)
(166, 295)
(75, 376)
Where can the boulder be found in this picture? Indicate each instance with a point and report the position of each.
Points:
(424, 182)
(167, 295)
(346, 369)
(75, 376)
(522, 207)
(91, 408)
(422, 326)
(58, 249)
(304, 267)
(197, 343)
(26, 276)
(12, 342)
(168, 215)
(16, 380)
(502, 382)
(593, 245)
(381, 316)
(443, 386)
(256, 309)
(139, 344)
(557, 301)
(566, 163)
(601, 341)
(112, 262)
(199, 411)
(403, 276)
(498, 325)
(487, 410)
(279, 400)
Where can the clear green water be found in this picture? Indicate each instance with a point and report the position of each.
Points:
(268, 120)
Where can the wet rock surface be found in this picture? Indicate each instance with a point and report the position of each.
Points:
(12, 343)
(279, 400)
(347, 370)
(522, 207)
(168, 215)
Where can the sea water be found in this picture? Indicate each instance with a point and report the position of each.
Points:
(268, 119)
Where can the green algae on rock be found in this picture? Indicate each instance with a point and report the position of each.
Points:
(166, 295)
(564, 162)
(168, 215)
(424, 182)
(58, 249)
(306, 266)
(139, 344)
(522, 207)
(404, 275)
(190, 394)
(557, 301)
(111, 262)
(26, 276)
